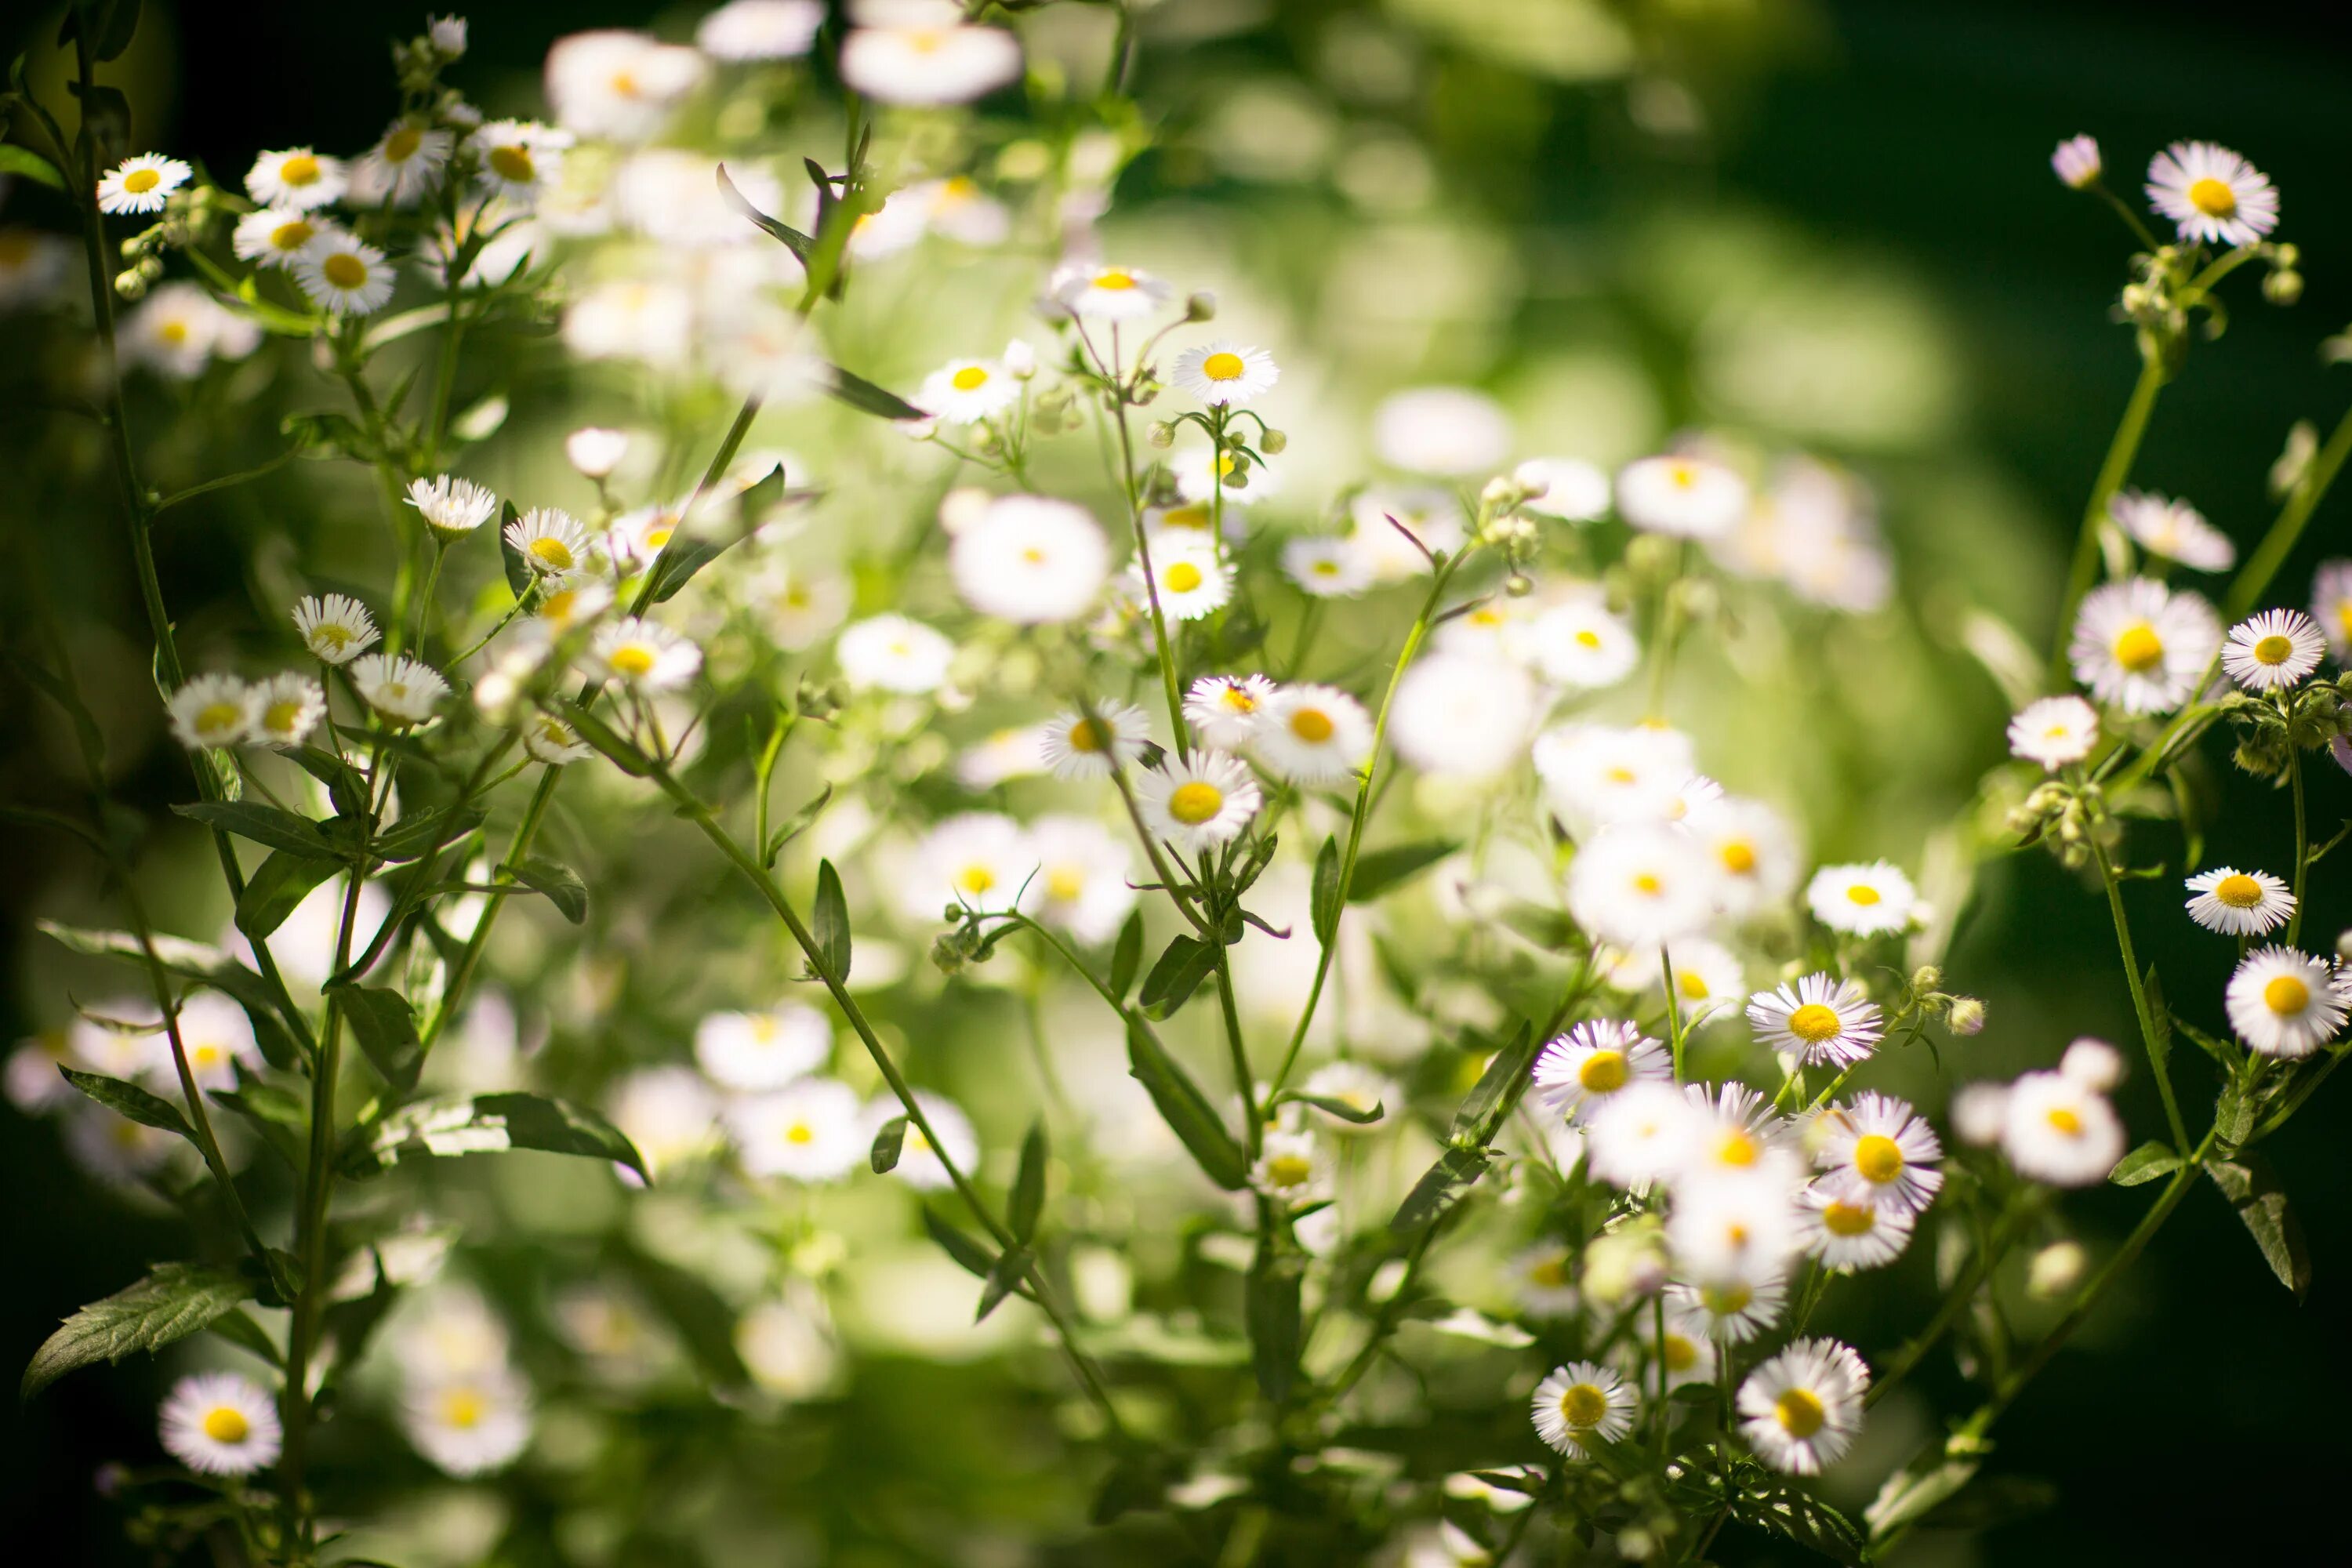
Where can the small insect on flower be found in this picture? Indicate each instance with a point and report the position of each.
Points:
(2286, 1004)
(1109, 293)
(1594, 1063)
(2213, 194)
(1292, 1169)
(919, 52)
(219, 1424)
(2173, 529)
(1802, 1408)
(1188, 580)
(892, 653)
(296, 178)
(1079, 746)
(1879, 1151)
(1863, 900)
(348, 277)
(2273, 651)
(2239, 903)
(2054, 731)
(140, 183)
(336, 628)
(403, 168)
(2076, 161)
(1818, 1018)
(643, 654)
(2142, 648)
(287, 707)
(1314, 735)
(1581, 1404)
(469, 1426)
(215, 710)
(1226, 711)
(1326, 567)
(401, 688)
(806, 1131)
(1200, 804)
(1686, 497)
(1223, 373)
(1031, 561)
(1848, 1232)
(2060, 1132)
(1641, 884)
(276, 236)
(550, 541)
(451, 507)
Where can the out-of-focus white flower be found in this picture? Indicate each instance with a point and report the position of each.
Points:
(1188, 579)
(1033, 561)
(469, 1426)
(219, 1424)
(403, 689)
(809, 1131)
(1083, 870)
(1460, 717)
(766, 1049)
(1327, 568)
(275, 236)
(343, 276)
(521, 160)
(669, 1113)
(1688, 497)
(1313, 735)
(179, 329)
(919, 51)
(213, 711)
(2141, 646)
(2173, 529)
(403, 168)
(919, 1162)
(1802, 1409)
(759, 29)
(973, 860)
(1226, 711)
(2076, 161)
(2054, 731)
(618, 85)
(1568, 489)
(2060, 1132)
(1386, 523)
(643, 654)
(1109, 293)
(1452, 431)
(1861, 899)
(892, 653)
(1641, 884)
(595, 452)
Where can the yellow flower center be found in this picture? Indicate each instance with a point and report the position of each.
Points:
(1183, 578)
(291, 235)
(402, 144)
(1239, 699)
(2239, 891)
(512, 163)
(2138, 648)
(1849, 1219)
(1878, 1157)
(1648, 882)
(1684, 476)
(1085, 735)
(763, 1028)
(1193, 516)
(2063, 1118)
(218, 716)
(1692, 985)
(631, 658)
(139, 182)
(1583, 1404)
(800, 1132)
(1222, 366)
(224, 1424)
(300, 169)
(1864, 894)
(1603, 1072)
(1550, 1273)
(557, 607)
(462, 1408)
(660, 534)
(1738, 857)
(551, 552)
(281, 716)
(1193, 804)
(1064, 883)
(1800, 1412)
(925, 40)
(344, 270)
(2286, 995)
(1115, 279)
(2274, 649)
(2213, 198)
(1311, 725)
(971, 378)
(334, 636)
(174, 331)
(1726, 1300)
(975, 879)
(1814, 1022)
(1737, 1149)
(1289, 1170)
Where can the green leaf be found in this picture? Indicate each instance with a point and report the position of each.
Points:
(416, 838)
(561, 885)
(238, 1328)
(1909, 1495)
(1382, 869)
(1326, 906)
(1127, 957)
(385, 1026)
(130, 1099)
(262, 823)
(266, 1106)
(1182, 968)
(796, 825)
(888, 1144)
(172, 1302)
(1004, 1279)
(867, 398)
(518, 570)
(31, 165)
(790, 238)
(2233, 1115)
(276, 888)
(486, 1124)
(1798, 1517)
(830, 924)
(1338, 1108)
(1440, 1188)
(1498, 1089)
(1028, 1202)
(975, 1258)
(2159, 1038)
(1270, 1310)
(2148, 1163)
(2253, 1190)
(1185, 1109)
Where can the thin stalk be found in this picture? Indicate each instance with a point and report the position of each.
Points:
(2148, 1029)
(2116, 469)
(2287, 529)
(1673, 1011)
(1956, 1301)
(1243, 1080)
(2301, 838)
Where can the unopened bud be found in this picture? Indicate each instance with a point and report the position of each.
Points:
(1272, 443)
(1518, 585)
(2055, 1270)
(1499, 492)
(1926, 978)
(1968, 1017)
(2282, 286)
(130, 285)
(1201, 307)
(1161, 434)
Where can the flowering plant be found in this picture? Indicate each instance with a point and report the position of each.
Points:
(1403, 1104)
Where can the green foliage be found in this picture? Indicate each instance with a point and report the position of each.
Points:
(173, 1301)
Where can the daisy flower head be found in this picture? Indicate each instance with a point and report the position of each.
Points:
(1314, 735)
(1594, 775)
(1568, 489)
(276, 236)
(215, 710)
(1292, 1168)
(403, 168)
(219, 1424)
(2054, 731)
(1083, 746)
(1188, 580)
(1459, 716)
(892, 653)
(34, 266)
(1739, 1136)
(594, 451)
(1861, 899)
(451, 507)
(1818, 1018)
(1543, 1280)
(2273, 651)
(2094, 1064)
(551, 740)
(179, 329)
(1641, 1134)
(759, 29)
(1596, 1062)
(2076, 162)
(287, 708)
(618, 85)
(470, 1425)
(2239, 903)
(965, 391)
(2286, 1004)
(1326, 567)
(1686, 497)
(644, 655)
(973, 860)
(140, 183)
(1754, 849)
(1879, 1150)
(1732, 1312)
(335, 628)
(519, 159)
(565, 603)
(298, 178)
(1733, 1231)
(1190, 522)
(217, 1039)
(638, 536)
(2059, 1131)
(923, 1164)
(2213, 194)
(401, 688)
(1109, 293)
(2173, 529)
(1081, 884)
(1848, 1232)
(1226, 711)
(808, 1130)
(1225, 372)
(2140, 647)
(1641, 884)
(1031, 561)
(1450, 431)
(1199, 804)
(550, 540)
(919, 52)
(669, 1113)
(1581, 1404)
(344, 275)
(2331, 606)
(1802, 1409)
(1709, 980)
(1580, 644)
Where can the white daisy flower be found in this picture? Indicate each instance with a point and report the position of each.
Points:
(1640, 884)
(1184, 526)
(1075, 746)
(451, 507)
(1459, 716)
(2173, 529)
(550, 540)
(2054, 731)
(669, 1113)
(216, 711)
(1579, 642)
(2273, 651)
(1861, 899)
(179, 329)
(1568, 489)
(216, 1038)
(1326, 567)
(1709, 980)
(1081, 883)
(1380, 519)
(1355, 1086)
(1314, 735)
(566, 603)
(1687, 497)
(140, 183)
(1849, 1233)
(287, 707)
(2094, 1064)
(1191, 581)
(2142, 648)
(1733, 1230)
(1642, 1133)
(1581, 1404)
(1030, 560)
(336, 628)
(519, 159)
(891, 653)
(616, 85)
(472, 1426)
(403, 168)
(1226, 711)
(638, 536)
(1739, 1137)
(276, 236)
(399, 688)
(972, 860)
(551, 740)
(759, 29)
(1199, 804)
(1109, 293)
(1818, 1018)
(2331, 606)
(643, 654)
(1802, 1409)
(1879, 1151)
(919, 52)
(594, 452)
(1595, 1062)
(1595, 775)
(2286, 1004)
(1543, 1280)
(1224, 372)
(2239, 903)
(1755, 853)
(808, 1130)
(2059, 1131)
(219, 1424)
(1686, 1352)
(919, 1164)
(958, 209)
(344, 275)
(1453, 431)
(298, 178)
(34, 266)
(965, 391)
(1292, 1168)
(2214, 196)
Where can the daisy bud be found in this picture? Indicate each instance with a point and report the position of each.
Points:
(2282, 286)
(1020, 361)
(1517, 586)
(1968, 1017)
(1926, 977)
(595, 452)
(2054, 1270)
(449, 36)
(1499, 492)
(130, 285)
(1201, 307)
(2343, 946)
(1273, 443)
(1161, 434)
(2077, 162)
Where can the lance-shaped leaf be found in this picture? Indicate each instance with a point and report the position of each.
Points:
(486, 1124)
(867, 398)
(277, 887)
(518, 570)
(385, 1026)
(1797, 1516)
(31, 165)
(2148, 1163)
(973, 1256)
(262, 824)
(783, 234)
(1326, 905)
(1270, 1308)
(889, 1143)
(561, 885)
(1028, 1202)
(1440, 1188)
(1497, 1090)
(1003, 1280)
(1184, 963)
(2253, 1190)
(417, 837)
(1360, 1116)
(1185, 1109)
(130, 1099)
(1127, 956)
(829, 923)
(172, 1302)
(1382, 869)
(1910, 1495)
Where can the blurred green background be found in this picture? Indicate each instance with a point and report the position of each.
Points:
(1749, 195)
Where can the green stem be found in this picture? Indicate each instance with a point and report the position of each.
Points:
(1243, 1080)
(2302, 839)
(2121, 451)
(2148, 1035)
(2287, 528)
(1956, 1300)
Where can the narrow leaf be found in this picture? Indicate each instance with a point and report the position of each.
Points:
(416, 838)
(561, 885)
(2148, 1163)
(975, 1258)
(1270, 1309)
(1359, 1115)
(1127, 957)
(783, 234)
(1178, 973)
(262, 823)
(2253, 1190)
(1003, 1280)
(867, 398)
(1382, 869)
(277, 887)
(1497, 1089)
(172, 1302)
(1440, 1188)
(887, 1145)
(385, 1026)
(130, 1099)
(558, 1127)
(1029, 1186)
(24, 160)
(517, 568)
(1326, 908)
(830, 925)
(1185, 1109)
(1803, 1519)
